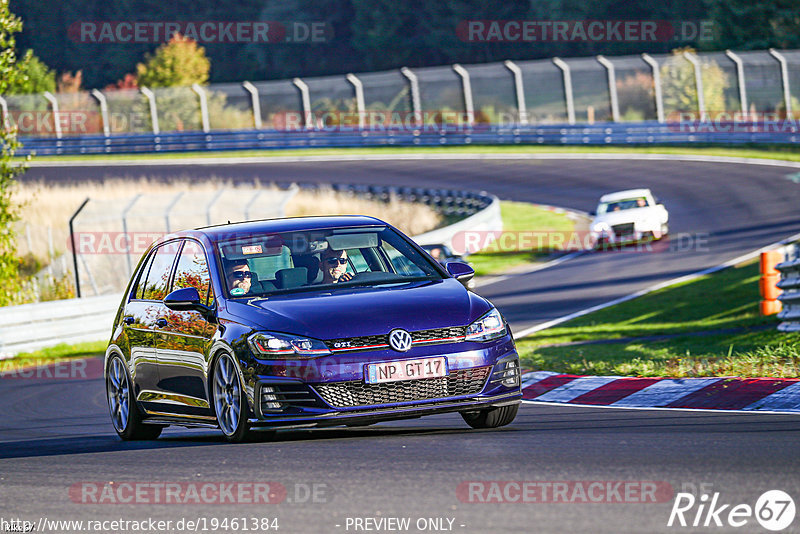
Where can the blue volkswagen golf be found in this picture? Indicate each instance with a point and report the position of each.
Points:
(301, 323)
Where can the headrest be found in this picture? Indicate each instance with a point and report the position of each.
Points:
(289, 278)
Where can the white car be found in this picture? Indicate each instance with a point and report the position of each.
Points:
(628, 216)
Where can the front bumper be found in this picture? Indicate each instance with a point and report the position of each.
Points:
(337, 394)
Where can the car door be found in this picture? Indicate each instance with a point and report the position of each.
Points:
(140, 321)
(183, 338)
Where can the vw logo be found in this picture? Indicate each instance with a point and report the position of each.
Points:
(399, 340)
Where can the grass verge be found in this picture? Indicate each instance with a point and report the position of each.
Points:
(519, 217)
(713, 323)
(780, 152)
(54, 354)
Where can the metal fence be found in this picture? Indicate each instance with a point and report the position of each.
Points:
(624, 89)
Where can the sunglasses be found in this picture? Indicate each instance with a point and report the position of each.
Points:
(241, 275)
(334, 261)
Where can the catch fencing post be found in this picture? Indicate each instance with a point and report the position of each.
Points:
(201, 94)
(413, 87)
(740, 79)
(305, 102)
(659, 97)
(698, 82)
(567, 76)
(255, 103)
(358, 87)
(787, 95)
(612, 87)
(519, 90)
(74, 248)
(466, 91)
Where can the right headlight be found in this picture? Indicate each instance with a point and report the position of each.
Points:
(600, 227)
(490, 326)
(275, 345)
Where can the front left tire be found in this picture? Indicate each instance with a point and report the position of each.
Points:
(125, 415)
(491, 417)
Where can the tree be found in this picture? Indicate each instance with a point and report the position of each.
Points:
(178, 63)
(32, 75)
(748, 25)
(9, 263)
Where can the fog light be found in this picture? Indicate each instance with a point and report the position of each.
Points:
(511, 373)
(269, 400)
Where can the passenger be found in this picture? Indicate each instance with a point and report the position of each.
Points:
(333, 264)
(239, 277)
(641, 203)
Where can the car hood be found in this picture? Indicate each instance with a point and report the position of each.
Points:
(626, 216)
(363, 311)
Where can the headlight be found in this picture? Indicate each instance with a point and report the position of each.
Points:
(600, 227)
(275, 345)
(490, 326)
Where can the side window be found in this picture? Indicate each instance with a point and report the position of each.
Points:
(139, 293)
(192, 270)
(157, 283)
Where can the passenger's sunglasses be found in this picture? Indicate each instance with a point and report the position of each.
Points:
(334, 261)
(241, 275)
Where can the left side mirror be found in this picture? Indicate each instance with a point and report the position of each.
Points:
(184, 299)
(460, 271)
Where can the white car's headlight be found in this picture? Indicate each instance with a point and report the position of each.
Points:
(600, 227)
(488, 327)
(277, 345)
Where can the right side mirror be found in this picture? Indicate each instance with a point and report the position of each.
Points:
(460, 271)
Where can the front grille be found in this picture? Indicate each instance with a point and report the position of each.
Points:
(623, 229)
(357, 393)
(450, 334)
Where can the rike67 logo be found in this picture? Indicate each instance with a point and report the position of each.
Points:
(774, 510)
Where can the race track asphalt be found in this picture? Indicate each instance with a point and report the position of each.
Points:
(56, 434)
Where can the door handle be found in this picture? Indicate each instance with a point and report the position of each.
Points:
(128, 319)
(161, 322)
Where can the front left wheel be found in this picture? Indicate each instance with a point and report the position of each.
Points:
(230, 402)
(125, 414)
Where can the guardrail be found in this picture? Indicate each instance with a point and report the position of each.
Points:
(651, 132)
(790, 285)
(31, 327)
(34, 326)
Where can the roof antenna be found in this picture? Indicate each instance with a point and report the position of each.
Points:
(229, 222)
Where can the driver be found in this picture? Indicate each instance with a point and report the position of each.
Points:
(333, 265)
(239, 277)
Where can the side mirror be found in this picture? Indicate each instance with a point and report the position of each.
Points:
(184, 299)
(593, 213)
(460, 271)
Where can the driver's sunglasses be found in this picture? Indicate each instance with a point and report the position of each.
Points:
(334, 261)
(241, 275)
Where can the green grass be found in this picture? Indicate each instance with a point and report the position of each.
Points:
(780, 152)
(57, 353)
(724, 300)
(521, 220)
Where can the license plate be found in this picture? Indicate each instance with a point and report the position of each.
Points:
(377, 373)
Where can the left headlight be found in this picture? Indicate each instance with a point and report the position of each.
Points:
(490, 326)
(277, 345)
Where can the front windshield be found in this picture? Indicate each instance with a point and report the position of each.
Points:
(622, 205)
(266, 264)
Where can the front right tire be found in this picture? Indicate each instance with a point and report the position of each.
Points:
(230, 402)
(491, 417)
